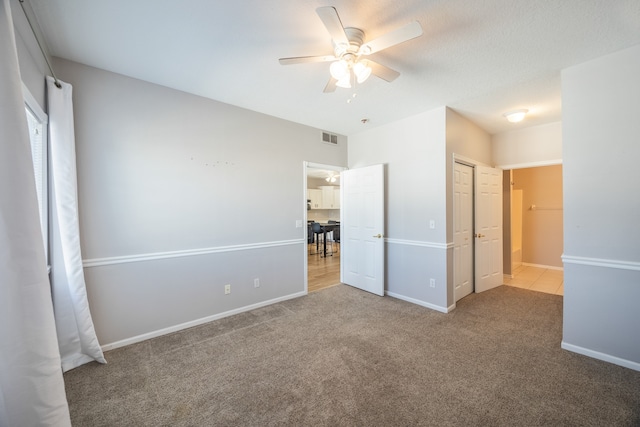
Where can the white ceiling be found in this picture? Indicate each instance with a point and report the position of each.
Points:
(323, 174)
(481, 58)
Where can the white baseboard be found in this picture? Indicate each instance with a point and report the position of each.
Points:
(548, 267)
(601, 356)
(420, 302)
(190, 324)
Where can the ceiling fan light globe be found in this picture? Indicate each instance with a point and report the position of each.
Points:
(344, 82)
(362, 72)
(339, 69)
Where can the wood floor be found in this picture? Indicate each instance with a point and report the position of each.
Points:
(323, 272)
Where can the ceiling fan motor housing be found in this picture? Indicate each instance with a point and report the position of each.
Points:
(351, 52)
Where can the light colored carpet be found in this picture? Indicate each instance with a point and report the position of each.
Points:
(343, 357)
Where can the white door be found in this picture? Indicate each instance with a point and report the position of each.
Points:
(362, 231)
(462, 230)
(488, 228)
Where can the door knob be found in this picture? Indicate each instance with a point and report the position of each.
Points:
(480, 235)
(378, 236)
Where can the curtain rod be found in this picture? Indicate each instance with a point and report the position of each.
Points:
(44, 55)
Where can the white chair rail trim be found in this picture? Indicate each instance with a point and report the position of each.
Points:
(98, 262)
(599, 262)
(434, 245)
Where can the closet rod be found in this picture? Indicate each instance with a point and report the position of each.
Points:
(44, 55)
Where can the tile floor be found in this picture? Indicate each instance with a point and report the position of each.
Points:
(537, 279)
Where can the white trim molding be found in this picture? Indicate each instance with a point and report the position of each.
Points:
(433, 245)
(98, 262)
(420, 302)
(599, 262)
(601, 356)
(326, 167)
(467, 160)
(531, 164)
(186, 325)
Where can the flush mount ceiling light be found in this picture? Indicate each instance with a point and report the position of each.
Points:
(516, 116)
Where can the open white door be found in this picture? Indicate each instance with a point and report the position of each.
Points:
(362, 220)
(488, 228)
(462, 231)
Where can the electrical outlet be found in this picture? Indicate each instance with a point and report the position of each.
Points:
(432, 283)
(227, 289)
(256, 282)
(298, 224)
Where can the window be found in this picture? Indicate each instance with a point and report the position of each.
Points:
(37, 120)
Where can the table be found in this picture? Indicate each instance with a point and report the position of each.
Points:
(325, 228)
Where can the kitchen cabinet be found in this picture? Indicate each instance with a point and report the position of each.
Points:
(315, 197)
(326, 197)
(330, 197)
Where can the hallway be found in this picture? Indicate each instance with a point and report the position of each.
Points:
(537, 279)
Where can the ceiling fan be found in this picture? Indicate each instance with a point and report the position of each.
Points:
(350, 50)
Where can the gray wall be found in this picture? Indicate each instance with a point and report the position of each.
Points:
(180, 195)
(528, 147)
(464, 139)
(601, 132)
(418, 154)
(413, 150)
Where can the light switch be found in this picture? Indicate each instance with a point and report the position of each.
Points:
(298, 223)
(432, 224)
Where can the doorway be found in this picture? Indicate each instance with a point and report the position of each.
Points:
(533, 232)
(322, 206)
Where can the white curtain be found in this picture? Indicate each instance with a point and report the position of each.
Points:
(31, 384)
(76, 336)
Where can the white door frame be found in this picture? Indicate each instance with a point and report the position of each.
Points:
(305, 167)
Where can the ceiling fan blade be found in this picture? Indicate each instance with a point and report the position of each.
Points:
(331, 20)
(401, 35)
(331, 85)
(385, 73)
(306, 59)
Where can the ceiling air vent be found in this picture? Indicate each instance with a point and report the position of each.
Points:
(329, 138)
